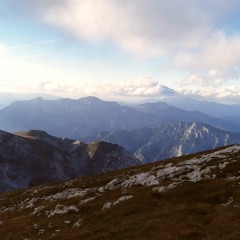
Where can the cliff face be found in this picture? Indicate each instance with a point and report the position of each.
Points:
(167, 140)
(34, 157)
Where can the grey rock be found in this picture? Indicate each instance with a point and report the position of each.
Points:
(168, 140)
(35, 157)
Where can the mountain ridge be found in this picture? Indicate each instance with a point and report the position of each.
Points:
(167, 140)
(75, 118)
(35, 157)
(207, 107)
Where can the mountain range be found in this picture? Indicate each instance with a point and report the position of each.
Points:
(35, 157)
(76, 118)
(148, 132)
(167, 140)
(207, 107)
(6, 98)
(190, 197)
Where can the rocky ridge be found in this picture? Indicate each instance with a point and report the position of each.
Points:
(167, 140)
(35, 157)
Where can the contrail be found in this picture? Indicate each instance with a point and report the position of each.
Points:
(30, 56)
(32, 44)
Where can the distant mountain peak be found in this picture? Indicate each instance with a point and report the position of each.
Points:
(90, 99)
(152, 106)
(164, 90)
(38, 99)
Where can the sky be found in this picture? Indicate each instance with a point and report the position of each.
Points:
(125, 49)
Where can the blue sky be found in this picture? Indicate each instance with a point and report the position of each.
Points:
(123, 49)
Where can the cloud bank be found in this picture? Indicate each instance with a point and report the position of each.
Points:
(148, 27)
(140, 88)
(191, 35)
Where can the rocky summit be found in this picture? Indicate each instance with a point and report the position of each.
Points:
(35, 157)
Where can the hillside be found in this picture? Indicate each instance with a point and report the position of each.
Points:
(35, 157)
(167, 140)
(191, 197)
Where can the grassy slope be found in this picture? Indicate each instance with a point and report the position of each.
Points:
(206, 209)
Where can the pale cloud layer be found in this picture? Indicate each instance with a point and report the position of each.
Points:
(217, 63)
(141, 88)
(188, 32)
(145, 27)
(219, 52)
(189, 35)
(229, 94)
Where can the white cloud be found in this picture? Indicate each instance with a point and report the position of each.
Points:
(206, 79)
(189, 33)
(22, 74)
(219, 52)
(139, 87)
(55, 87)
(147, 88)
(145, 27)
(225, 94)
(143, 86)
(217, 64)
(213, 77)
